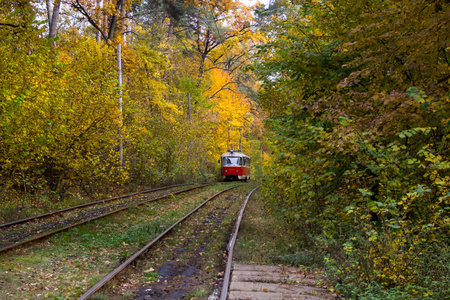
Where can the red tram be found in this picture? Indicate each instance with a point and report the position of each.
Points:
(235, 165)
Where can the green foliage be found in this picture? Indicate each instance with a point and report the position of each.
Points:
(359, 128)
(151, 276)
(198, 292)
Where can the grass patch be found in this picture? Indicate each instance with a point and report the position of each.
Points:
(264, 239)
(127, 295)
(199, 292)
(151, 275)
(99, 296)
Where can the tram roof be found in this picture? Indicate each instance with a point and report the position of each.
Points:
(235, 154)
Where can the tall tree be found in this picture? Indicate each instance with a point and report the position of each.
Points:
(53, 17)
(111, 14)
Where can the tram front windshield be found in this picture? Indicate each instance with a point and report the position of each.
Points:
(232, 161)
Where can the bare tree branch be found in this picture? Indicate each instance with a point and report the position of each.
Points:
(13, 25)
(76, 5)
(223, 88)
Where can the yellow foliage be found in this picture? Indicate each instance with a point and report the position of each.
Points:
(59, 113)
(230, 111)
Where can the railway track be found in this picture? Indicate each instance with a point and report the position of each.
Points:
(163, 290)
(20, 232)
(16, 222)
(187, 257)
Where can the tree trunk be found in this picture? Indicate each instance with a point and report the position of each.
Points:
(113, 24)
(98, 34)
(53, 22)
(49, 13)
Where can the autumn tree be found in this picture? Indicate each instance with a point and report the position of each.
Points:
(107, 16)
(60, 117)
(358, 98)
(59, 113)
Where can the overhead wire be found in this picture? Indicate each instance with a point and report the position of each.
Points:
(223, 38)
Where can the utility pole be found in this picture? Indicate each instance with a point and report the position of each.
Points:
(228, 140)
(189, 106)
(119, 66)
(240, 149)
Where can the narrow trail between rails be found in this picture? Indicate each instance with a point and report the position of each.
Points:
(14, 234)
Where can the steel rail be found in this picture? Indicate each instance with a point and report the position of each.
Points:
(97, 217)
(88, 204)
(230, 248)
(111, 275)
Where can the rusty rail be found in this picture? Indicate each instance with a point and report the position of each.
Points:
(230, 248)
(97, 217)
(88, 204)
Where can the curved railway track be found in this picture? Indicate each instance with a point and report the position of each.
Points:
(27, 230)
(139, 253)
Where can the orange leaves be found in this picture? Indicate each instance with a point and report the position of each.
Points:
(221, 6)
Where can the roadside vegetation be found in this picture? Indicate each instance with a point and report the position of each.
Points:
(358, 98)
